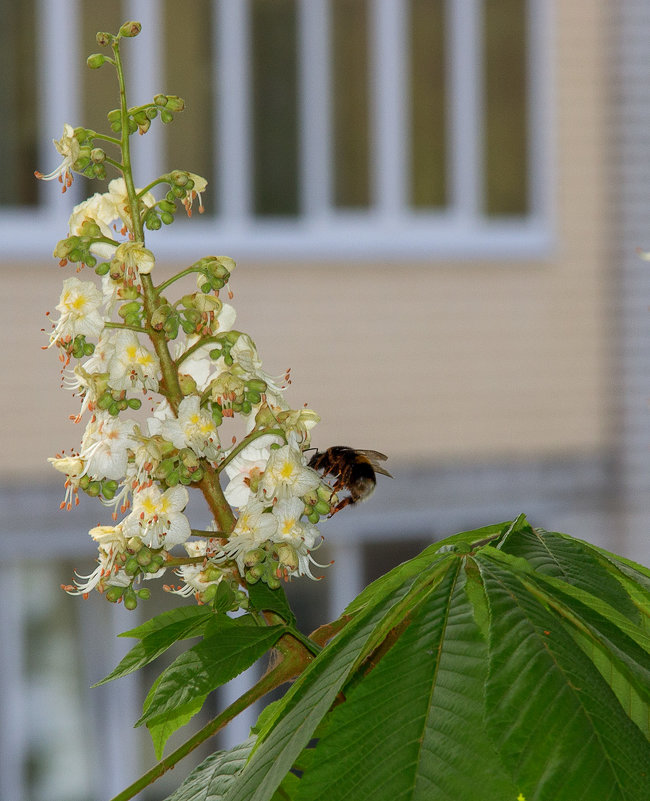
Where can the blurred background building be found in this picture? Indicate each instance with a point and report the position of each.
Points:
(435, 206)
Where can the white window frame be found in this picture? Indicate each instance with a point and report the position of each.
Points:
(390, 228)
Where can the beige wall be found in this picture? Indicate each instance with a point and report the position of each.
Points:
(423, 361)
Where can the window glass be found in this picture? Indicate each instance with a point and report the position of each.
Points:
(189, 140)
(275, 106)
(18, 132)
(427, 106)
(350, 101)
(505, 130)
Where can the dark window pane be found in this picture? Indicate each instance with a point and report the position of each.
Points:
(428, 151)
(274, 96)
(349, 53)
(380, 557)
(18, 132)
(506, 156)
(189, 139)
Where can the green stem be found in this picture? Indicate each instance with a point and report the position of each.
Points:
(204, 341)
(176, 277)
(104, 137)
(247, 441)
(291, 664)
(135, 328)
(116, 164)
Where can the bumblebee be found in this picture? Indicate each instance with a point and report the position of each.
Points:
(354, 471)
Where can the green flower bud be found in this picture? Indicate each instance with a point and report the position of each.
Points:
(322, 507)
(179, 177)
(130, 29)
(151, 112)
(313, 517)
(175, 103)
(103, 268)
(166, 218)
(114, 593)
(166, 116)
(95, 61)
(153, 222)
(208, 594)
(273, 582)
(144, 556)
(109, 488)
(131, 568)
(134, 403)
(103, 39)
(254, 557)
(130, 599)
(160, 100)
(144, 593)
(94, 488)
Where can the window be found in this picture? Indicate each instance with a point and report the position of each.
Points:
(329, 128)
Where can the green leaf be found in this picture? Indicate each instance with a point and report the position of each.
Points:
(157, 635)
(556, 723)
(212, 778)
(207, 665)
(573, 561)
(181, 613)
(162, 728)
(311, 696)
(264, 598)
(414, 727)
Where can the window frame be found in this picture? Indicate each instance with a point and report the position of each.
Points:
(390, 229)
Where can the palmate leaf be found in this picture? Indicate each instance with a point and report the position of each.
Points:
(557, 725)
(476, 671)
(210, 663)
(213, 777)
(159, 634)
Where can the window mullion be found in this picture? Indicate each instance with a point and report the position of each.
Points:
(233, 123)
(57, 51)
(315, 107)
(388, 22)
(539, 108)
(465, 84)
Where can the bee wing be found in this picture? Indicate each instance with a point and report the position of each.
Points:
(374, 457)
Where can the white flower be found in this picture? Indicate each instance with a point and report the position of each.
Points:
(98, 209)
(245, 470)
(157, 517)
(105, 445)
(244, 354)
(112, 549)
(301, 537)
(72, 468)
(253, 528)
(193, 428)
(197, 578)
(200, 185)
(117, 195)
(135, 258)
(79, 306)
(102, 355)
(89, 386)
(68, 147)
(131, 364)
(286, 475)
(106, 209)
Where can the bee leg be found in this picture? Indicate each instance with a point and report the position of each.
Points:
(341, 505)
